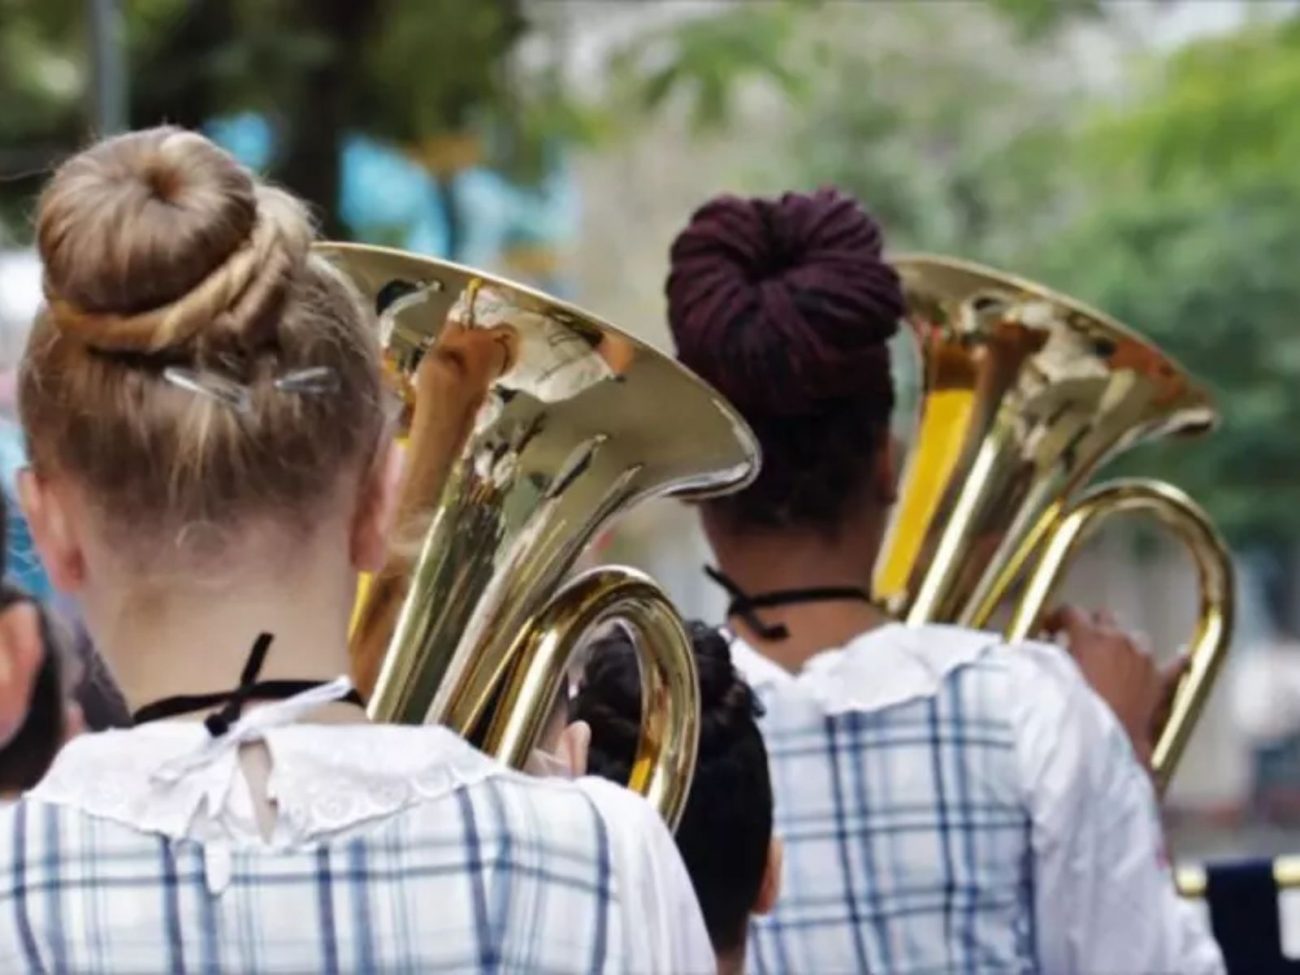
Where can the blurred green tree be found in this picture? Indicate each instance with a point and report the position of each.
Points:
(1036, 19)
(319, 67)
(1210, 277)
(440, 76)
(1175, 207)
(703, 61)
(1186, 224)
(960, 124)
(1217, 113)
(40, 90)
(947, 123)
(427, 72)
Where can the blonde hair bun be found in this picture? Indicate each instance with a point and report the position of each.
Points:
(165, 257)
(160, 242)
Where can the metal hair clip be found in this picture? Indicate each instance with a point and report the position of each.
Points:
(210, 384)
(315, 381)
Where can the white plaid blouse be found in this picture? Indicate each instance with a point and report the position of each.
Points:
(395, 849)
(951, 805)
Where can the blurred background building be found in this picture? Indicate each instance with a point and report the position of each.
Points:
(1140, 155)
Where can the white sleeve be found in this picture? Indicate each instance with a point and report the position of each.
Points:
(1104, 892)
(661, 922)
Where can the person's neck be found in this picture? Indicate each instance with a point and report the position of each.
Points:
(776, 561)
(194, 638)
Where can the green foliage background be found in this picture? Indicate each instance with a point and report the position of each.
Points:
(1173, 202)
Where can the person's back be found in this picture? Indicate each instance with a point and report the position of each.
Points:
(436, 859)
(212, 465)
(901, 809)
(946, 803)
(938, 793)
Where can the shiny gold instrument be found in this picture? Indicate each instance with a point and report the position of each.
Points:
(529, 424)
(1026, 395)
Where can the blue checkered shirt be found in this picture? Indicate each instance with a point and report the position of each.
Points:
(394, 850)
(951, 805)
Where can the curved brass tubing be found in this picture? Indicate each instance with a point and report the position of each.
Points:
(670, 694)
(1175, 510)
(530, 426)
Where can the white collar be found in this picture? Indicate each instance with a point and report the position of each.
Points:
(173, 778)
(251, 727)
(877, 669)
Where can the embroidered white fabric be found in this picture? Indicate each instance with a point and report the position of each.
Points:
(173, 778)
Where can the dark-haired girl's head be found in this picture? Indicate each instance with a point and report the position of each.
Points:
(725, 834)
(787, 307)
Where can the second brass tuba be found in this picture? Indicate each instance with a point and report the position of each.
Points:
(529, 424)
(1026, 394)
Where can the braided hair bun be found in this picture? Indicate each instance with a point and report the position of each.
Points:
(170, 268)
(784, 304)
(154, 239)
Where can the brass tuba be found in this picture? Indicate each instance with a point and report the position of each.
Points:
(532, 425)
(1027, 393)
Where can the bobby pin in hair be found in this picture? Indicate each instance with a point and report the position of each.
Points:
(312, 381)
(210, 384)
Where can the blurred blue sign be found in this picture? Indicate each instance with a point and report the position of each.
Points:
(22, 565)
(387, 198)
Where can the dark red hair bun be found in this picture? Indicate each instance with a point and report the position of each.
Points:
(785, 305)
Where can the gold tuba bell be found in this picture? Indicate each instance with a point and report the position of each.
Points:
(536, 424)
(1027, 393)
